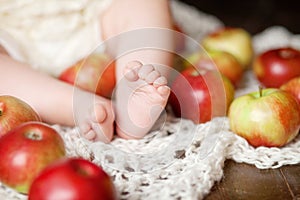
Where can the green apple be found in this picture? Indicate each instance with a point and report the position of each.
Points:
(269, 117)
(236, 41)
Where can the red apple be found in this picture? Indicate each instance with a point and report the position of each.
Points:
(277, 66)
(200, 95)
(94, 74)
(226, 63)
(72, 178)
(234, 40)
(25, 151)
(269, 117)
(13, 112)
(293, 87)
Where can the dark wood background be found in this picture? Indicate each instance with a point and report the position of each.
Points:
(253, 15)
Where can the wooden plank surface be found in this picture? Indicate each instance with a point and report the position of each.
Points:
(292, 176)
(243, 181)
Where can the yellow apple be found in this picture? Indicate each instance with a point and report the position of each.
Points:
(269, 117)
(236, 41)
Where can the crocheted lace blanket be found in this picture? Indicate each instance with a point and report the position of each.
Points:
(180, 159)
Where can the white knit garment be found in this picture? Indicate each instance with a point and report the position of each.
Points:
(165, 166)
(50, 35)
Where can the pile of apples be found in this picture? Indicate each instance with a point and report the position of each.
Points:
(205, 88)
(33, 159)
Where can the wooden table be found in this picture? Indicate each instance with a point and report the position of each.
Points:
(243, 181)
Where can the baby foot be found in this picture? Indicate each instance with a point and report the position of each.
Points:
(141, 97)
(96, 124)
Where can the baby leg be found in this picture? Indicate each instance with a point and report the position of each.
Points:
(141, 97)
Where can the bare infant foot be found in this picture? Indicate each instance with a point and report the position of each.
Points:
(96, 122)
(141, 97)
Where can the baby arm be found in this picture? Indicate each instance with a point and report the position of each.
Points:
(53, 99)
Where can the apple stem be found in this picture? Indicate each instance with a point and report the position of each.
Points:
(260, 88)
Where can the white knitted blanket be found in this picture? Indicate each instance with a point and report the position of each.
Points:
(181, 160)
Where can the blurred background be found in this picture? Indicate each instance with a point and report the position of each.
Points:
(253, 15)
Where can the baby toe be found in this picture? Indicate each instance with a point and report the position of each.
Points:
(144, 71)
(90, 135)
(132, 65)
(100, 113)
(164, 91)
(131, 70)
(102, 134)
(152, 76)
(84, 127)
(160, 81)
